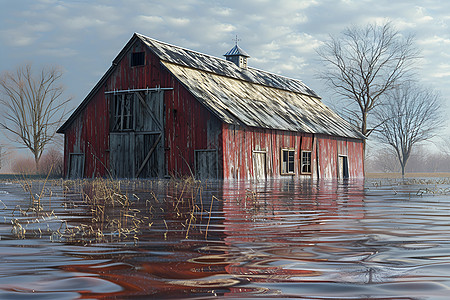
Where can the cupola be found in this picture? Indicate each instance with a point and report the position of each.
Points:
(238, 56)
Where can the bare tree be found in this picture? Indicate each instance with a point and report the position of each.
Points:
(383, 160)
(410, 115)
(34, 106)
(52, 162)
(364, 63)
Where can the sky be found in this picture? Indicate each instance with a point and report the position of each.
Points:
(84, 36)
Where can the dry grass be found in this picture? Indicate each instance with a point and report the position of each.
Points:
(407, 175)
(117, 210)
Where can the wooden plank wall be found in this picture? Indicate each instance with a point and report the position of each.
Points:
(329, 148)
(189, 127)
(88, 134)
(240, 142)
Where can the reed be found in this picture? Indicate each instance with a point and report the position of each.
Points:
(118, 210)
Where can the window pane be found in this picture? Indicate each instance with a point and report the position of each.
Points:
(287, 161)
(306, 162)
(284, 162)
(291, 161)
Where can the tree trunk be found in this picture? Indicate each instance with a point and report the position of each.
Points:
(364, 131)
(36, 161)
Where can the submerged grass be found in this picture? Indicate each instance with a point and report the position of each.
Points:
(117, 210)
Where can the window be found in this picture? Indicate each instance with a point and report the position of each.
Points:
(122, 112)
(137, 59)
(306, 162)
(287, 161)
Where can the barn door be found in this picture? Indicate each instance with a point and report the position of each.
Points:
(259, 165)
(76, 165)
(138, 150)
(121, 154)
(343, 167)
(150, 160)
(206, 164)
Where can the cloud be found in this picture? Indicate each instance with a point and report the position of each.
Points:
(178, 22)
(25, 34)
(58, 52)
(422, 16)
(280, 36)
(150, 19)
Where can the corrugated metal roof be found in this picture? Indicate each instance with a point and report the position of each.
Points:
(249, 96)
(208, 63)
(236, 50)
(240, 96)
(243, 103)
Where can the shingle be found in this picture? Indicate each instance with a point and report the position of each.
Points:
(250, 96)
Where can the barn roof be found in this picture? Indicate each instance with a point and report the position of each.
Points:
(250, 96)
(240, 96)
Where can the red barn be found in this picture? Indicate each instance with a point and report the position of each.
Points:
(162, 110)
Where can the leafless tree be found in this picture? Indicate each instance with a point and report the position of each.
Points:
(33, 106)
(52, 162)
(364, 63)
(410, 115)
(383, 160)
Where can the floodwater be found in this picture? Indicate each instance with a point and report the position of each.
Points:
(372, 239)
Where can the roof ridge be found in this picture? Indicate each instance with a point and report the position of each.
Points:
(171, 53)
(179, 47)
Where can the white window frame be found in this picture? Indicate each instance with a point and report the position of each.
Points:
(286, 165)
(308, 164)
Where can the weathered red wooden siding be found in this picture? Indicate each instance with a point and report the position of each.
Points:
(240, 142)
(355, 158)
(329, 149)
(191, 127)
(88, 134)
(327, 152)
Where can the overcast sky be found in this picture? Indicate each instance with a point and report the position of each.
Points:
(281, 36)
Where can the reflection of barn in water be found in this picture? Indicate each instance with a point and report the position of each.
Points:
(163, 110)
(259, 233)
(289, 221)
(283, 209)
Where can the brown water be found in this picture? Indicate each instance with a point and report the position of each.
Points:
(376, 239)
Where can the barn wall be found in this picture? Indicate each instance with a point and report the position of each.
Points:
(327, 153)
(330, 148)
(88, 135)
(239, 144)
(356, 158)
(189, 126)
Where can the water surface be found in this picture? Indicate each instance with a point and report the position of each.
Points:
(373, 239)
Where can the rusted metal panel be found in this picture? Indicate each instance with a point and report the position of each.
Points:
(244, 103)
(222, 67)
